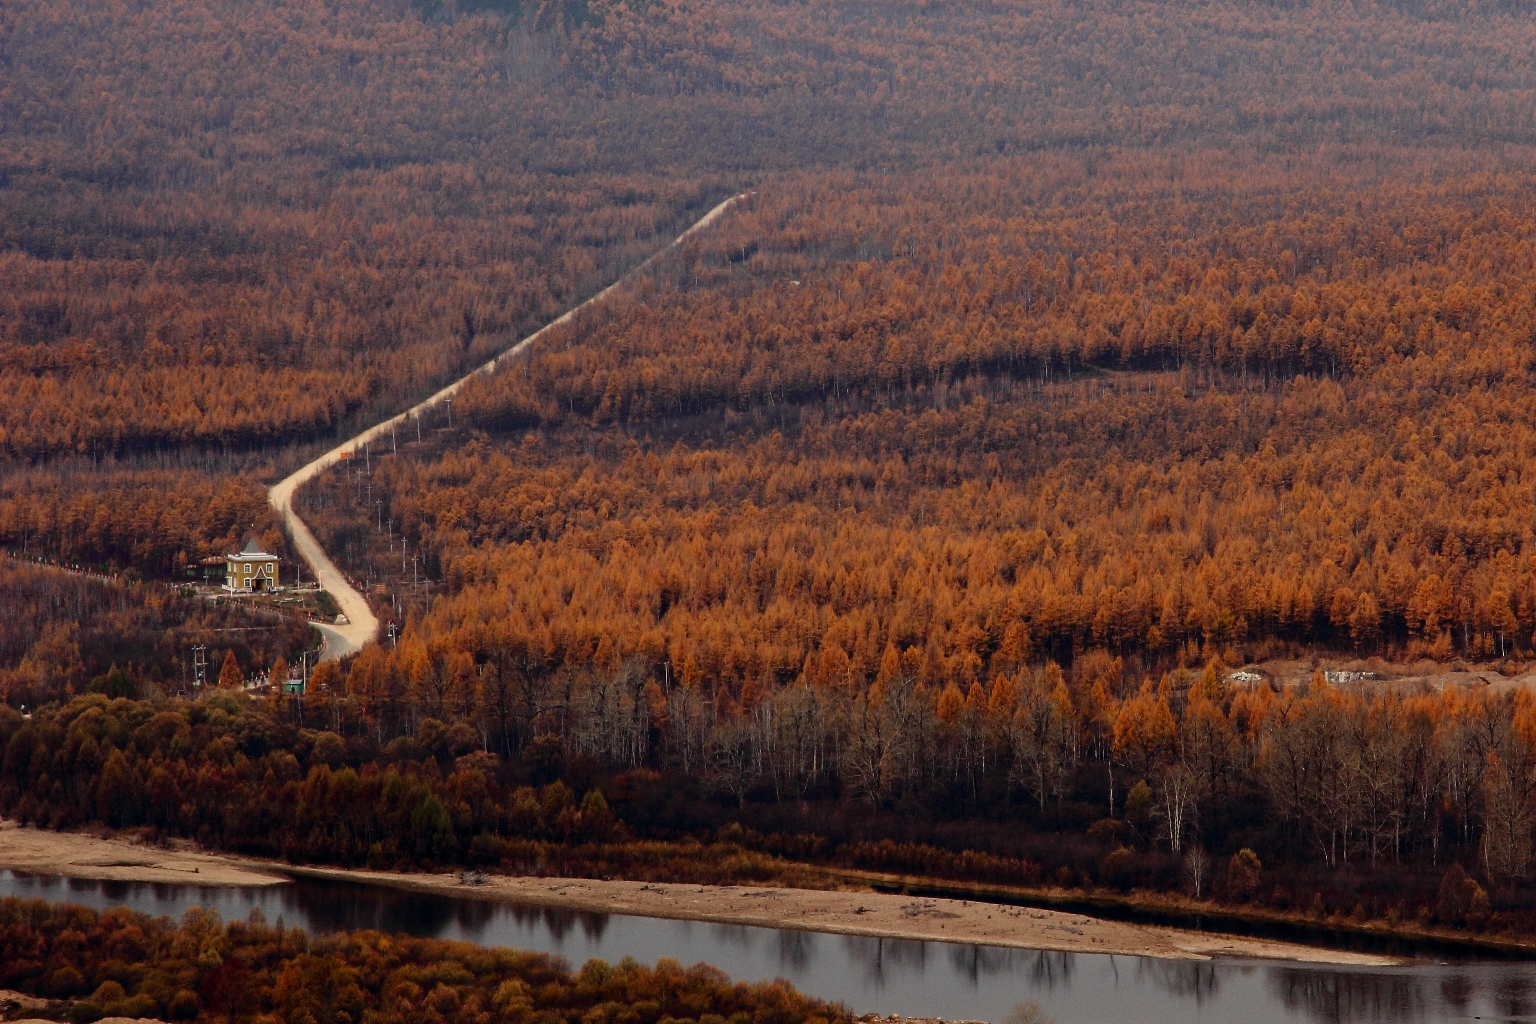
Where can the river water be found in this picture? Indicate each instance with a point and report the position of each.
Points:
(872, 975)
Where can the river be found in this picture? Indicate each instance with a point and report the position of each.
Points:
(872, 975)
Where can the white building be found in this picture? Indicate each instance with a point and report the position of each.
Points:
(250, 571)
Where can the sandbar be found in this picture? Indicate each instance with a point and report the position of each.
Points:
(80, 855)
(843, 912)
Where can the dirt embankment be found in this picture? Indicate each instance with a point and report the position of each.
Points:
(1371, 674)
(851, 911)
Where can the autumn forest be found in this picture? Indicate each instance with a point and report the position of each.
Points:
(1058, 361)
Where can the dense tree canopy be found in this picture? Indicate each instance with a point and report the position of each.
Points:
(238, 224)
(895, 424)
(1066, 355)
(124, 964)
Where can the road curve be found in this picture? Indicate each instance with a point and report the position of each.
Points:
(363, 625)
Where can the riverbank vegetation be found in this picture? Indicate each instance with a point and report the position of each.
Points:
(1367, 810)
(88, 965)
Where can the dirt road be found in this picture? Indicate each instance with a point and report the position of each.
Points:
(363, 625)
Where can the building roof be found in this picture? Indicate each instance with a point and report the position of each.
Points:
(252, 553)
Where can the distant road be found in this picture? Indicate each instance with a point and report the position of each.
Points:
(363, 625)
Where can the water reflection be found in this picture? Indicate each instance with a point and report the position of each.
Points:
(1456, 990)
(976, 962)
(1336, 996)
(883, 959)
(1197, 980)
(871, 974)
(1513, 998)
(734, 935)
(1050, 971)
(796, 949)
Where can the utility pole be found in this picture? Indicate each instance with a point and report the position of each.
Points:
(394, 449)
(418, 429)
(199, 666)
(394, 631)
(449, 403)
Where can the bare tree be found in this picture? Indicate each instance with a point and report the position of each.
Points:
(1209, 747)
(872, 749)
(500, 693)
(1176, 804)
(691, 716)
(607, 716)
(1509, 811)
(1043, 735)
(1304, 766)
(792, 727)
(730, 756)
(1197, 866)
(1478, 727)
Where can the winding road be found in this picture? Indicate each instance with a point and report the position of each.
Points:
(363, 625)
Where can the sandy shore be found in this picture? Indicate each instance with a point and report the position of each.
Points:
(81, 856)
(861, 913)
(843, 913)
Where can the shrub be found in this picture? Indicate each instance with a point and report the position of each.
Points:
(66, 981)
(1461, 901)
(184, 1005)
(1243, 874)
(1118, 869)
(1111, 832)
(1138, 804)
